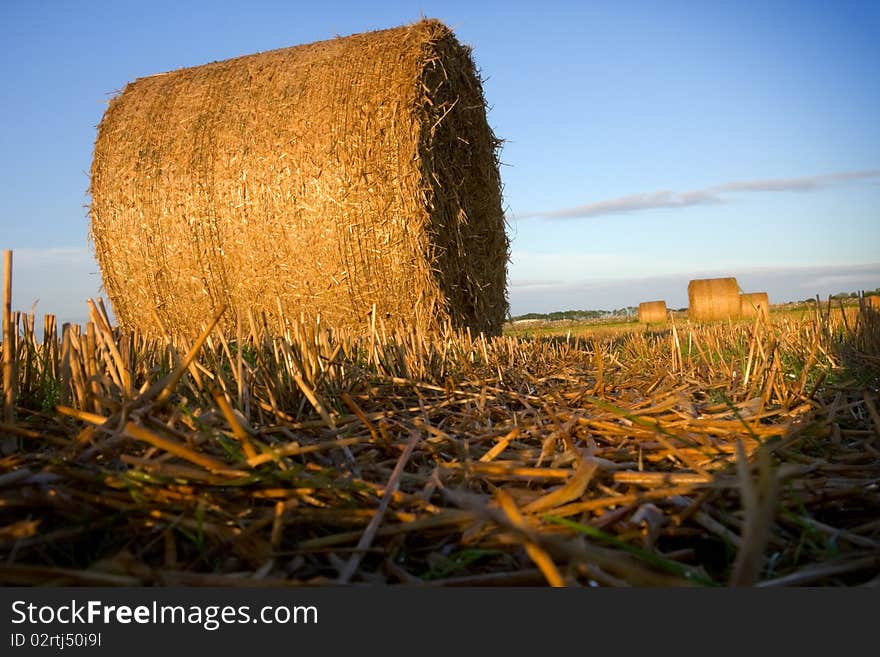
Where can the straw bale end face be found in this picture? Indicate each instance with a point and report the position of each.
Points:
(324, 180)
(713, 298)
(651, 312)
(753, 304)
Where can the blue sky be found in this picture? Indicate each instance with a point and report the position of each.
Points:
(646, 142)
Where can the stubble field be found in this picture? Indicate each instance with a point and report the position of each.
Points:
(722, 454)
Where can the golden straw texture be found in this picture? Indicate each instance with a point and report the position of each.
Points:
(713, 298)
(321, 180)
(752, 303)
(652, 311)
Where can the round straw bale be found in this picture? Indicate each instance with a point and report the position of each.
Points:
(322, 180)
(713, 298)
(752, 303)
(873, 301)
(652, 311)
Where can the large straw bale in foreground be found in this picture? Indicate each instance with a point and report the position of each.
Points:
(652, 311)
(321, 179)
(752, 303)
(713, 298)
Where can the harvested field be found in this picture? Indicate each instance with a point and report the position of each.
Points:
(694, 456)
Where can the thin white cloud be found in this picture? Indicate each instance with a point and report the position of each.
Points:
(803, 184)
(708, 196)
(64, 255)
(634, 202)
(842, 280)
(533, 283)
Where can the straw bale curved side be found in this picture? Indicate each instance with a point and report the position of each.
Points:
(873, 301)
(713, 298)
(752, 303)
(322, 180)
(652, 311)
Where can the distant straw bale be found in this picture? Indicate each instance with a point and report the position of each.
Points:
(751, 303)
(320, 180)
(652, 311)
(713, 298)
(873, 301)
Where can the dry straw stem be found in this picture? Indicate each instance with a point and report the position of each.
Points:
(713, 298)
(8, 341)
(753, 303)
(321, 181)
(652, 312)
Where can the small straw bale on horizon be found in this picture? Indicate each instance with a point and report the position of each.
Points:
(713, 298)
(651, 312)
(752, 303)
